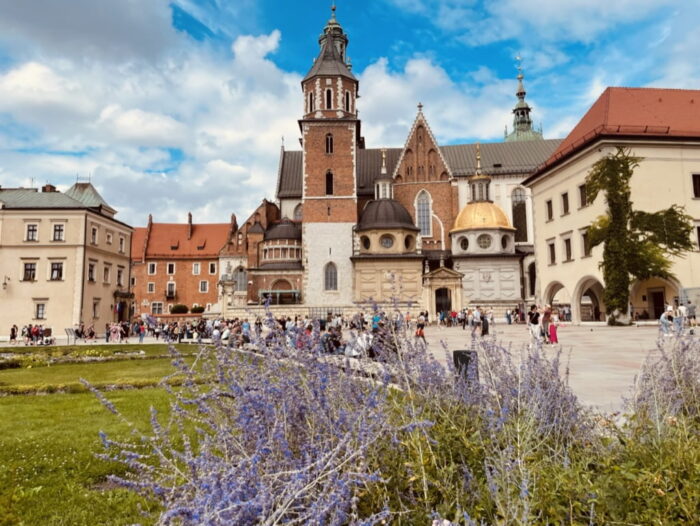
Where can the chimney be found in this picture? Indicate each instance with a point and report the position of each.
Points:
(48, 188)
(189, 225)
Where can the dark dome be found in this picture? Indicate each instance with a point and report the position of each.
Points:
(385, 214)
(285, 229)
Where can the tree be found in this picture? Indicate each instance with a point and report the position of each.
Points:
(636, 244)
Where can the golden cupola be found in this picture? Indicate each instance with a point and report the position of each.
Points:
(480, 212)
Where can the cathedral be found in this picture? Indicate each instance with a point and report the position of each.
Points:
(434, 227)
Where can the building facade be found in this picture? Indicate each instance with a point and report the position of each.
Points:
(176, 264)
(64, 259)
(661, 126)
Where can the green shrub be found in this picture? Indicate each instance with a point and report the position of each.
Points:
(179, 309)
(198, 309)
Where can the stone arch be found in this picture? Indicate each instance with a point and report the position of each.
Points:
(587, 302)
(556, 294)
(281, 284)
(298, 212)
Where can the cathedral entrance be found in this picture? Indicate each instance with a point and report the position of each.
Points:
(443, 300)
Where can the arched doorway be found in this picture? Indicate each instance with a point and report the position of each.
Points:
(443, 300)
(588, 300)
(281, 293)
(559, 299)
(649, 298)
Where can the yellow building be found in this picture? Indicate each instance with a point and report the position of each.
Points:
(64, 259)
(663, 127)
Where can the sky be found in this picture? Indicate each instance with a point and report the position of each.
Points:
(170, 107)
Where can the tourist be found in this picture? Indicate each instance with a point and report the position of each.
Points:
(691, 313)
(665, 321)
(476, 321)
(553, 326)
(486, 321)
(13, 334)
(533, 324)
(546, 320)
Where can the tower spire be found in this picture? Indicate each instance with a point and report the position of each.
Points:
(479, 183)
(522, 122)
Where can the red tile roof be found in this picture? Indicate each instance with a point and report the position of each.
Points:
(633, 112)
(170, 240)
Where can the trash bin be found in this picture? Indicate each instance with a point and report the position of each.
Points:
(466, 363)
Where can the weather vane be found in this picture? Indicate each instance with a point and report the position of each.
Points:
(520, 63)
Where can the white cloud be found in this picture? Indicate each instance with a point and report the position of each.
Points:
(142, 128)
(531, 20)
(105, 29)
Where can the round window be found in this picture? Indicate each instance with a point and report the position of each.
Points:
(484, 241)
(365, 242)
(387, 241)
(464, 244)
(408, 242)
(504, 242)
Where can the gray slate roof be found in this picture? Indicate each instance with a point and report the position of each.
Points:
(513, 158)
(329, 62)
(32, 198)
(86, 194)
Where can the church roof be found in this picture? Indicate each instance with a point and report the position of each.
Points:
(481, 215)
(496, 159)
(330, 60)
(385, 214)
(633, 112)
(285, 229)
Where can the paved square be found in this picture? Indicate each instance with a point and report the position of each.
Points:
(603, 361)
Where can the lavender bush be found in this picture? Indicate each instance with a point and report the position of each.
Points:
(291, 435)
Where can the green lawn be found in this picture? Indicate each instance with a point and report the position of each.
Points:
(154, 349)
(48, 471)
(66, 377)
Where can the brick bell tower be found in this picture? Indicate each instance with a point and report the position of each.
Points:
(330, 138)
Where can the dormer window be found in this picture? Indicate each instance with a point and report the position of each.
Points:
(329, 143)
(329, 99)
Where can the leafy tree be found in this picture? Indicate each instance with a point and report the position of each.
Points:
(636, 244)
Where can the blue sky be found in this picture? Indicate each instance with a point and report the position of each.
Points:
(177, 106)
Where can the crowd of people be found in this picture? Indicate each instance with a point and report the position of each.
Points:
(31, 335)
(677, 318)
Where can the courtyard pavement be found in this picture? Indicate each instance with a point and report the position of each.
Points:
(603, 361)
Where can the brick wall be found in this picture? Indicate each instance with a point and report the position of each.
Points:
(186, 283)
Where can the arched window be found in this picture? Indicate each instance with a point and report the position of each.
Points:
(329, 183)
(519, 214)
(240, 276)
(329, 99)
(347, 101)
(329, 143)
(298, 210)
(330, 277)
(531, 278)
(424, 213)
(311, 102)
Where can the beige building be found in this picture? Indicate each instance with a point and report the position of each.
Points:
(64, 259)
(663, 127)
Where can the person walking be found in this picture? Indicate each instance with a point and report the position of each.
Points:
(665, 321)
(13, 334)
(476, 320)
(533, 324)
